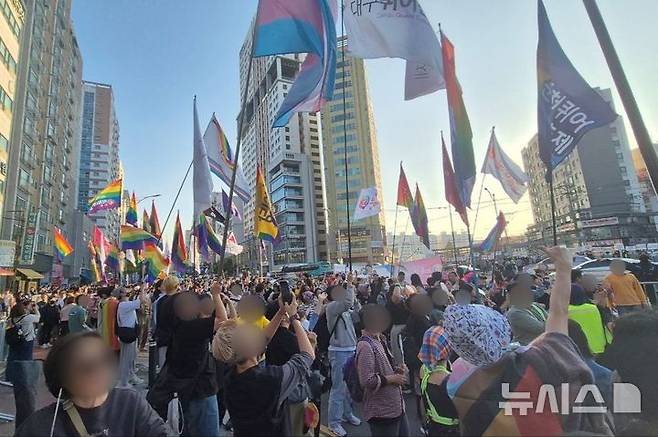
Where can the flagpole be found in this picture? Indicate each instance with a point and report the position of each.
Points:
(395, 225)
(404, 239)
(625, 92)
(347, 182)
(484, 176)
(554, 220)
(477, 210)
(245, 93)
(173, 205)
(454, 242)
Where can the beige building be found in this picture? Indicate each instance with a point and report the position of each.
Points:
(44, 142)
(355, 123)
(12, 21)
(597, 193)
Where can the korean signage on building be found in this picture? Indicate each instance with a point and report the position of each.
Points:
(27, 248)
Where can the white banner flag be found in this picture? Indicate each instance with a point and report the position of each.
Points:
(386, 29)
(368, 204)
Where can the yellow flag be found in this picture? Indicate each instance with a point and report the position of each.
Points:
(265, 227)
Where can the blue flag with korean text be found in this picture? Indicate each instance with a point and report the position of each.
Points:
(300, 26)
(567, 106)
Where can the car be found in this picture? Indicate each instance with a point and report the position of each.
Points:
(600, 268)
(547, 264)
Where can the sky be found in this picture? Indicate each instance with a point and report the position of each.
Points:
(158, 54)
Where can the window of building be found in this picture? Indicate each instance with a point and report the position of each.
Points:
(6, 102)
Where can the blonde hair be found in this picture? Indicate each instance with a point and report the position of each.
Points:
(169, 284)
(222, 344)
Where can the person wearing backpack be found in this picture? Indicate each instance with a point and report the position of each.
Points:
(20, 336)
(380, 380)
(342, 344)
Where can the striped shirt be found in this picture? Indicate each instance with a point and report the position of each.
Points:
(373, 364)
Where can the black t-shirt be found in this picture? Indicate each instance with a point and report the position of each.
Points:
(165, 320)
(282, 347)
(189, 348)
(399, 312)
(124, 413)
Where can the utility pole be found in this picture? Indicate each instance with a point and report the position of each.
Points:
(625, 93)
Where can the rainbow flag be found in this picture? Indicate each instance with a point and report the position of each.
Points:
(107, 322)
(154, 223)
(156, 261)
(62, 246)
(405, 198)
(107, 198)
(131, 214)
(178, 249)
(135, 238)
(146, 221)
(113, 260)
(494, 235)
(461, 135)
(201, 234)
(213, 241)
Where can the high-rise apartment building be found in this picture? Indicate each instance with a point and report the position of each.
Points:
(291, 160)
(352, 126)
(597, 193)
(12, 20)
(99, 153)
(44, 142)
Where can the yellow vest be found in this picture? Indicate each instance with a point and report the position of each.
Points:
(589, 319)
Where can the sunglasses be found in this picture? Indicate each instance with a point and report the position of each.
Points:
(90, 366)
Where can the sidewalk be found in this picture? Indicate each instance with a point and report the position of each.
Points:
(43, 395)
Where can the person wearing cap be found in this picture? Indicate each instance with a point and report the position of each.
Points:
(526, 318)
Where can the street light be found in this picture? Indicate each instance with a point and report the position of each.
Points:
(148, 197)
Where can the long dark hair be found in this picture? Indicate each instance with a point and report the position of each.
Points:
(17, 310)
(59, 358)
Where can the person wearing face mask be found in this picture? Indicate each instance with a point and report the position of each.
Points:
(80, 372)
(255, 394)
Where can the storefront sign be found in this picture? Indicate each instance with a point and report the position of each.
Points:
(595, 223)
(27, 249)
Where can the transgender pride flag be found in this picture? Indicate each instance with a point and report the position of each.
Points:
(300, 26)
(494, 235)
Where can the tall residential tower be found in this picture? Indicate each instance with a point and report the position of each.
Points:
(291, 160)
(353, 124)
(99, 153)
(44, 142)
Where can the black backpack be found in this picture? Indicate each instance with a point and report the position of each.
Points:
(14, 334)
(321, 330)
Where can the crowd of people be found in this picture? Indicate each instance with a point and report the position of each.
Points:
(456, 352)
